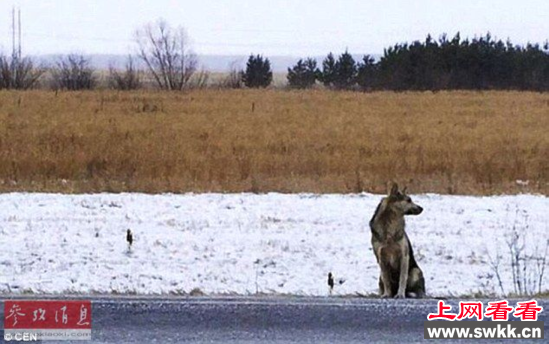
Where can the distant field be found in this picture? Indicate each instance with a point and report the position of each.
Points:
(274, 140)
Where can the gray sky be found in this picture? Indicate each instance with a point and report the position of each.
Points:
(274, 27)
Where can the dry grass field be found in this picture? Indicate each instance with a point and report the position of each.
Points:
(274, 140)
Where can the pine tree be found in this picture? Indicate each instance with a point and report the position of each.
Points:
(366, 73)
(328, 74)
(258, 72)
(346, 72)
(303, 74)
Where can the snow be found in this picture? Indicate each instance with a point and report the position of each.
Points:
(250, 244)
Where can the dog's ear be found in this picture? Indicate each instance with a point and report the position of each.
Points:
(394, 190)
(404, 190)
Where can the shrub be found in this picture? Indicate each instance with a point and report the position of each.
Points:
(129, 79)
(73, 72)
(234, 78)
(18, 73)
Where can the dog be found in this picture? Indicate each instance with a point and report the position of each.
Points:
(400, 274)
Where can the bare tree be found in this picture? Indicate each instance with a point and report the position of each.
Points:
(129, 79)
(73, 72)
(234, 78)
(167, 55)
(18, 73)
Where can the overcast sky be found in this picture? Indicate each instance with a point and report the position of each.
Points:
(271, 27)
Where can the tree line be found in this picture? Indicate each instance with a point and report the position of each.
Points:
(481, 63)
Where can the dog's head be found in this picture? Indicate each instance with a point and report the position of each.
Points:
(401, 202)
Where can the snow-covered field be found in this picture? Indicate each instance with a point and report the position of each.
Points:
(248, 244)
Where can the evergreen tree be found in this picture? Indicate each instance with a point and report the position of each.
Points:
(303, 74)
(480, 63)
(345, 72)
(328, 74)
(258, 72)
(366, 73)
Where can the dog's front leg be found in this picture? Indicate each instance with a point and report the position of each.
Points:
(404, 265)
(385, 279)
(385, 266)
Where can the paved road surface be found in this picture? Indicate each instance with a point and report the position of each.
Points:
(263, 320)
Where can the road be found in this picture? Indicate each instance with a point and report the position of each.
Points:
(262, 320)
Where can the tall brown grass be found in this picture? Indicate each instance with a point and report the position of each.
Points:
(269, 140)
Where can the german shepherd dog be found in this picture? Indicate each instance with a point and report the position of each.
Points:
(400, 275)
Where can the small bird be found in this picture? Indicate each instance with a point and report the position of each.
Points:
(331, 282)
(129, 237)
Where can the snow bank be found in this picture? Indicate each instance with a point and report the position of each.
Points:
(247, 244)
